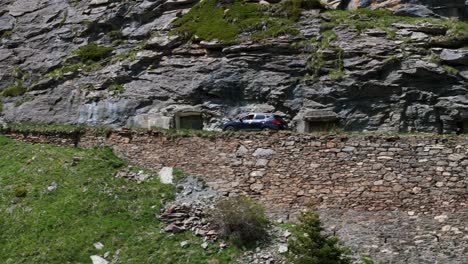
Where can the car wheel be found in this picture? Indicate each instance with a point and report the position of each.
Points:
(230, 128)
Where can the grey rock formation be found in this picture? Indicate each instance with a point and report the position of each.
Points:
(384, 84)
(421, 8)
(459, 57)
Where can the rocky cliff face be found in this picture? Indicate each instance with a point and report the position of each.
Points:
(444, 8)
(367, 70)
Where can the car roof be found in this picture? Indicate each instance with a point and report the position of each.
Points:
(259, 114)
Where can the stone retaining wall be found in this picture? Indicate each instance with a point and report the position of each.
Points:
(402, 199)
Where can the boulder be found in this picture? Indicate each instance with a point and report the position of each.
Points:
(455, 57)
(98, 260)
(260, 152)
(165, 175)
(414, 11)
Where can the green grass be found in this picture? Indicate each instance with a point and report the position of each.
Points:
(1, 107)
(88, 206)
(73, 68)
(128, 55)
(364, 18)
(225, 23)
(46, 129)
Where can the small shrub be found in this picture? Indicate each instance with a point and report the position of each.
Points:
(93, 52)
(115, 35)
(115, 87)
(336, 74)
(309, 246)
(21, 192)
(240, 220)
(15, 90)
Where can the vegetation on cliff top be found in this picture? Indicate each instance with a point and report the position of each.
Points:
(210, 20)
(365, 18)
(88, 205)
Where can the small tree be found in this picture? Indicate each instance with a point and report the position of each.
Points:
(240, 220)
(309, 246)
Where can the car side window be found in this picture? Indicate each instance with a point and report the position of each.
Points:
(261, 117)
(248, 117)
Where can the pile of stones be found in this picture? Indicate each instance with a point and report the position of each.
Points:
(183, 217)
(129, 173)
(188, 211)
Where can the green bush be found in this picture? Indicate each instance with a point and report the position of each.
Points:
(240, 220)
(309, 246)
(93, 52)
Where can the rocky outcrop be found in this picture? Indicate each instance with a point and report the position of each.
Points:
(370, 79)
(424, 8)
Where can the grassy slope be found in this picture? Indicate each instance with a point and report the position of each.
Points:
(89, 205)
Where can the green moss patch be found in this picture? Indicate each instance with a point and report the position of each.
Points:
(15, 90)
(228, 23)
(93, 52)
(364, 18)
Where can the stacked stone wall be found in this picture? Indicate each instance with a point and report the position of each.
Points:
(400, 198)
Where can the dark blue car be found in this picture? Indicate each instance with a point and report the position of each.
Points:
(256, 121)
